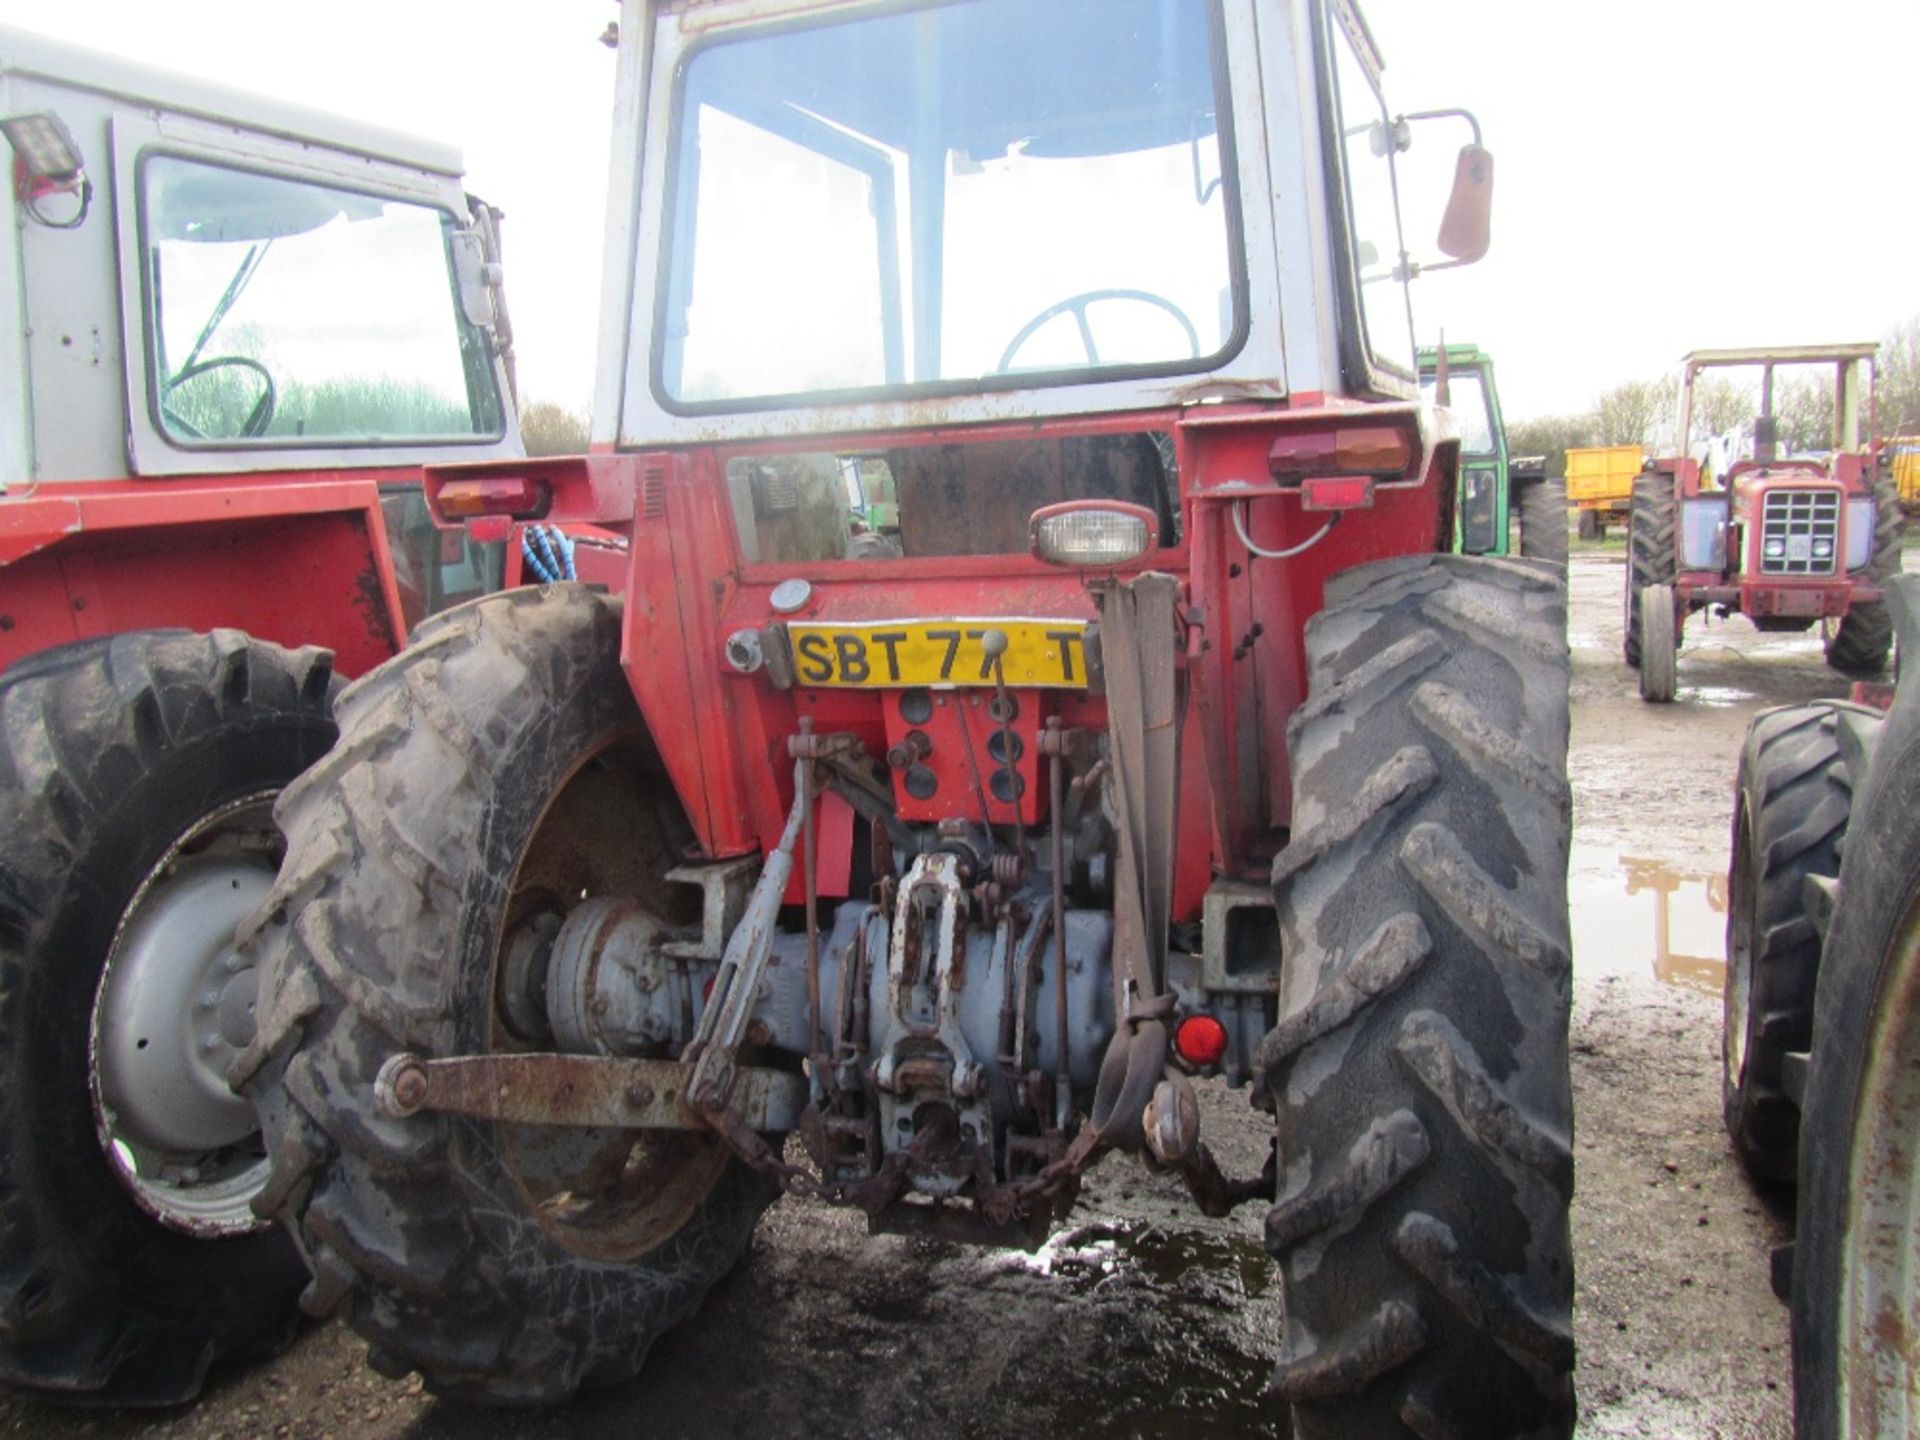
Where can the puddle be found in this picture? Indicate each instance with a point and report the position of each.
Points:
(1720, 696)
(1647, 919)
(1188, 1321)
(1090, 1256)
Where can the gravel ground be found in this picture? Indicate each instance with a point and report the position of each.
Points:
(1144, 1320)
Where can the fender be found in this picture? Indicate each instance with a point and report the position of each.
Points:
(305, 561)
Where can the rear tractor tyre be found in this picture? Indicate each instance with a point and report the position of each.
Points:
(486, 778)
(1856, 1272)
(1794, 793)
(1543, 520)
(1419, 1067)
(1651, 559)
(1859, 645)
(137, 777)
(1659, 645)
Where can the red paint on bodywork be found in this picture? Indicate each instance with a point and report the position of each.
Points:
(722, 735)
(302, 561)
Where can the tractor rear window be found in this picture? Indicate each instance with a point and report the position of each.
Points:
(912, 502)
(1467, 398)
(949, 195)
(282, 312)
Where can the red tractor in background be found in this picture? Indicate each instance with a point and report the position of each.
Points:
(239, 331)
(1788, 541)
(1038, 681)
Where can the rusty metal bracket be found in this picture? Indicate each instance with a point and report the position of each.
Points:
(583, 1090)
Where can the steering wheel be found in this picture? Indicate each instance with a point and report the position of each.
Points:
(1076, 306)
(258, 418)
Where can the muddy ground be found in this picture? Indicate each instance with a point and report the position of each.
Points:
(1144, 1320)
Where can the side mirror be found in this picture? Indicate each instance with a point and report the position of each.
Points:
(1466, 229)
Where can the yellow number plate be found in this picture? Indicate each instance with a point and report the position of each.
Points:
(939, 652)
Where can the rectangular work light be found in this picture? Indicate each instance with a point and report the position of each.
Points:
(45, 149)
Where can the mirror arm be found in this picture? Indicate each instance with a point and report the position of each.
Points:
(1466, 115)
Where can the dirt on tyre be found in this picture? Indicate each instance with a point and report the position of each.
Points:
(486, 778)
(137, 775)
(1859, 645)
(1794, 796)
(1856, 1273)
(1419, 1067)
(1542, 506)
(1651, 559)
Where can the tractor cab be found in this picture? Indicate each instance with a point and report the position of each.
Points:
(1461, 378)
(211, 293)
(1498, 492)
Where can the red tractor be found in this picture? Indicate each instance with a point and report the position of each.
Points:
(238, 329)
(1788, 541)
(1039, 682)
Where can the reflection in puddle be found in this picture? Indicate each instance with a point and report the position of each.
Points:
(1634, 916)
(1087, 1255)
(1719, 696)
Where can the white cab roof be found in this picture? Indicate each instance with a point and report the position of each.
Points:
(28, 55)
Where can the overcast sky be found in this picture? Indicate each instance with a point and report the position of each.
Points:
(1670, 174)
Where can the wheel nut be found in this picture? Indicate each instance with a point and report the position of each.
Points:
(639, 1096)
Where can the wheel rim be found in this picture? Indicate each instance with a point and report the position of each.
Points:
(1879, 1377)
(1739, 978)
(173, 1009)
(607, 1195)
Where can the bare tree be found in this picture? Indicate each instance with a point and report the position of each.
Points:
(1803, 412)
(1897, 381)
(1636, 412)
(550, 429)
(1721, 405)
(1552, 436)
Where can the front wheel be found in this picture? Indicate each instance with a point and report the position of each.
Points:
(1419, 1068)
(1794, 798)
(1651, 557)
(137, 777)
(1856, 1272)
(1543, 520)
(1861, 642)
(487, 778)
(1659, 645)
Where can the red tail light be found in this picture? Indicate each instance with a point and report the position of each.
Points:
(518, 497)
(1201, 1041)
(1378, 452)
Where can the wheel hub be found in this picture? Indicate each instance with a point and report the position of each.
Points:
(173, 1011)
(177, 1007)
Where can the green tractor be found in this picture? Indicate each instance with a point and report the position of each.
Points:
(1496, 488)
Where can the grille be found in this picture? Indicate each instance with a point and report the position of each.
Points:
(653, 492)
(1791, 524)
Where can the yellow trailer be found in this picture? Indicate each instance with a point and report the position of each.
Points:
(1903, 460)
(1600, 485)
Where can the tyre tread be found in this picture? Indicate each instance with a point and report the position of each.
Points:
(82, 728)
(1449, 901)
